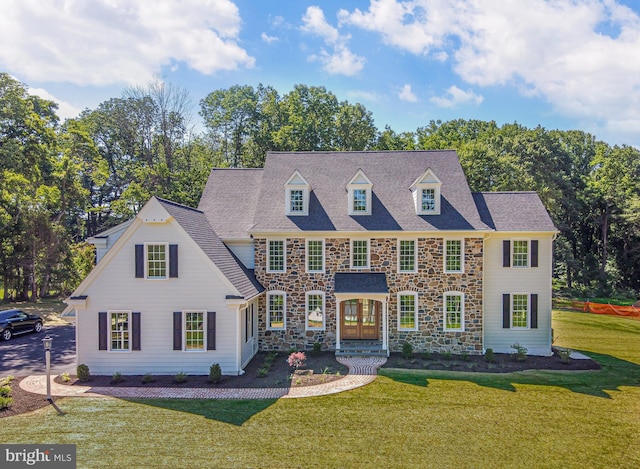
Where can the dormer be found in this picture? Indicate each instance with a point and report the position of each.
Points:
(297, 195)
(426, 194)
(359, 189)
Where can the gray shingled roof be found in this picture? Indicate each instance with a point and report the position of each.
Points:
(198, 228)
(361, 282)
(513, 211)
(392, 174)
(229, 201)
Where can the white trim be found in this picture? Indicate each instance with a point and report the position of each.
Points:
(428, 180)
(368, 266)
(444, 252)
(129, 330)
(306, 310)
(284, 255)
(444, 311)
(306, 260)
(415, 310)
(204, 330)
(512, 247)
(297, 183)
(146, 259)
(359, 182)
(415, 256)
(284, 310)
(528, 305)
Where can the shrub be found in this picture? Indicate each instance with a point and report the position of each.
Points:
(519, 352)
(297, 359)
(5, 402)
(407, 350)
(447, 355)
(83, 372)
(65, 377)
(5, 391)
(426, 355)
(489, 356)
(6, 380)
(180, 377)
(116, 377)
(215, 373)
(564, 354)
(464, 356)
(148, 378)
(263, 372)
(317, 349)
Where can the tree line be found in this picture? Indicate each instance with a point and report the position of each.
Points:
(61, 182)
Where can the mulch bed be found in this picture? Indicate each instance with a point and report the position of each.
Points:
(23, 401)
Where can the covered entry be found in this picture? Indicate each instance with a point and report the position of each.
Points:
(362, 301)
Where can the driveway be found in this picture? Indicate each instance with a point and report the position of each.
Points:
(24, 355)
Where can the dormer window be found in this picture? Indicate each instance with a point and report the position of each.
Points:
(297, 195)
(426, 194)
(359, 189)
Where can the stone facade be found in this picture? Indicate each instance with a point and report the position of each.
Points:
(430, 282)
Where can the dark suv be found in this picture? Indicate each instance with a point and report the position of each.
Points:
(15, 321)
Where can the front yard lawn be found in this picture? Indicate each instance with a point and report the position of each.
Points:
(403, 419)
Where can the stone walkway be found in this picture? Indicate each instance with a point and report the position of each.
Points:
(362, 371)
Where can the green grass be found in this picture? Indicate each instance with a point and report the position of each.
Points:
(403, 419)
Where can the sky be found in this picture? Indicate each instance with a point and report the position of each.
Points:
(560, 64)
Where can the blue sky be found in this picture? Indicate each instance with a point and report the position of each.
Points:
(566, 64)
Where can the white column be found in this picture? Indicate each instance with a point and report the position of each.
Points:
(385, 325)
(338, 324)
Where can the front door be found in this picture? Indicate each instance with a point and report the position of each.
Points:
(360, 319)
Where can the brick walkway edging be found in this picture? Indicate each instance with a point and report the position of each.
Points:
(362, 371)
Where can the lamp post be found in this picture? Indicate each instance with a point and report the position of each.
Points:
(47, 349)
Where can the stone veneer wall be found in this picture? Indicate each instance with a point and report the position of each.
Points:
(431, 282)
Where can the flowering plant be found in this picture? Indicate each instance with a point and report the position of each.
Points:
(296, 359)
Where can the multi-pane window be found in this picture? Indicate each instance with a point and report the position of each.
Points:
(520, 255)
(276, 256)
(407, 309)
(519, 310)
(315, 310)
(360, 254)
(407, 256)
(194, 330)
(296, 200)
(453, 312)
(315, 256)
(359, 200)
(156, 261)
(119, 330)
(428, 200)
(453, 255)
(275, 311)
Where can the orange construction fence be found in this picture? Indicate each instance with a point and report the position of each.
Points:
(599, 308)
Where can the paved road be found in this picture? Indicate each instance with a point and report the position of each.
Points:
(23, 355)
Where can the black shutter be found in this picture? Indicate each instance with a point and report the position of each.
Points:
(139, 260)
(177, 330)
(534, 253)
(534, 310)
(102, 331)
(211, 330)
(506, 253)
(506, 311)
(135, 331)
(173, 260)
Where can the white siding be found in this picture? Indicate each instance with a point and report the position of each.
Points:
(199, 286)
(244, 251)
(499, 280)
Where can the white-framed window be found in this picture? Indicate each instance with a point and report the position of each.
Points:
(426, 194)
(359, 253)
(314, 310)
(520, 253)
(407, 255)
(407, 311)
(194, 331)
(276, 310)
(520, 311)
(156, 265)
(359, 189)
(297, 195)
(453, 311)
(276, 255)
(454, 255)
(296, 201)
(120, 331)
(315, 255)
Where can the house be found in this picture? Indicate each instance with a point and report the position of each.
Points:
(352, 250)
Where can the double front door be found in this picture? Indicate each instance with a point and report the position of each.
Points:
(360, 319)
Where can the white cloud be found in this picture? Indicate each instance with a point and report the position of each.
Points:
(406, 94)
(454, 97)
(65, 110)
(580, 56)
(118, 41)
(268, 39)
(340, 60)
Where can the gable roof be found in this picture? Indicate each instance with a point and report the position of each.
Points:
(392, 174)
(513, 211)
(196, 225)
